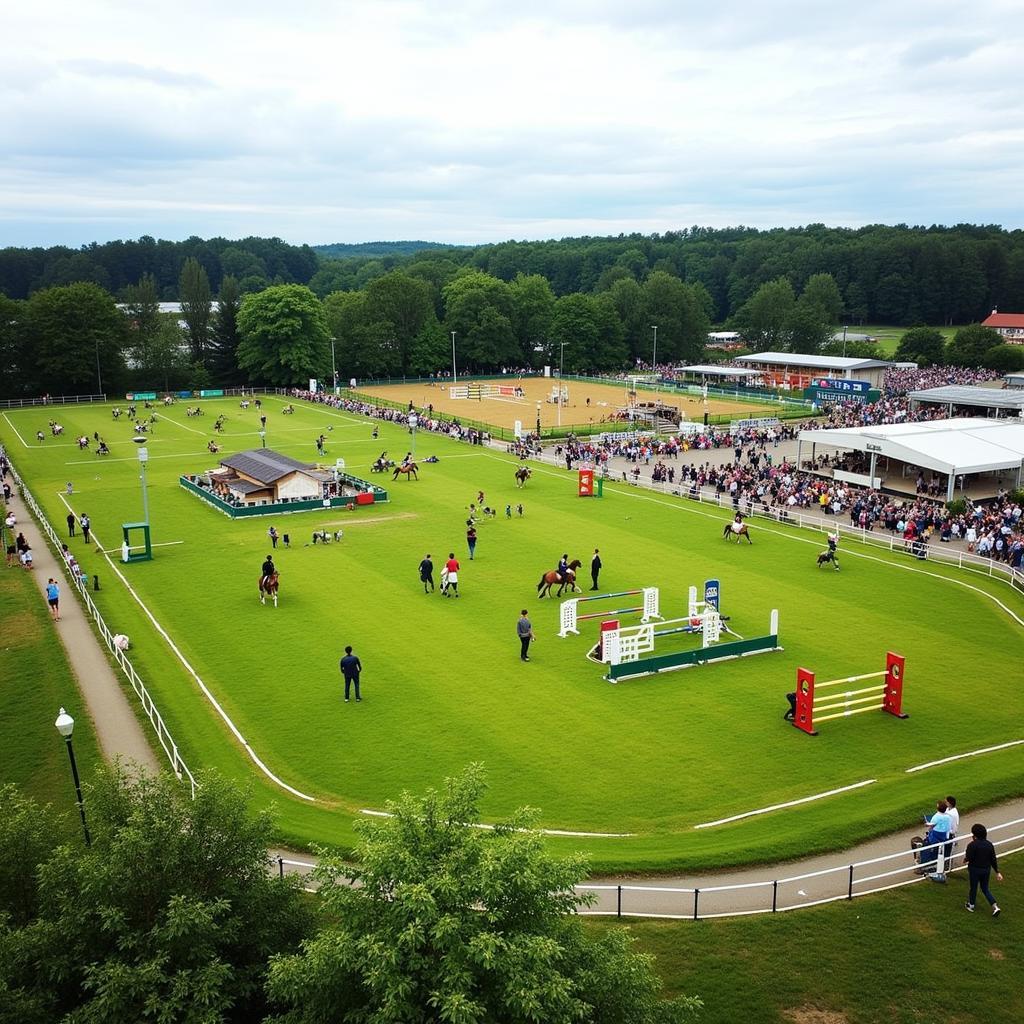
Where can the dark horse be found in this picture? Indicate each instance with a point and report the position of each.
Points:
(523, 473)
(829, 556)
(411, 471)
(549, 579)
(737, 530)
(268, 587)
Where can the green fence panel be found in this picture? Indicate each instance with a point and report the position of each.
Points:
(661, 662)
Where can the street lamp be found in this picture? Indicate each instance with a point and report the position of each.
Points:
(561, 356)
(334, 369)
(99, 378)
(538, 421)
(654, 327)
(845, 329)
(66, 726)
(455, 375)
(143, 459)
(413, 422)
(263, 438)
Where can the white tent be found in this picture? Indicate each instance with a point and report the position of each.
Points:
(957, 447)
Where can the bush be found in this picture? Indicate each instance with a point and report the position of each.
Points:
(957, 507)
(1005, 358)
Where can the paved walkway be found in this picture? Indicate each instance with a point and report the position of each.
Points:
(118, 730)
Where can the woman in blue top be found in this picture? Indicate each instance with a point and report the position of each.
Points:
(53, 599)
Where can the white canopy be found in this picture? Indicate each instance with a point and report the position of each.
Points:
(955, 447)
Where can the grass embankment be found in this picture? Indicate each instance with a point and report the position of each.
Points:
(443, 685)
(889, 337)
(904, 957)
(35, 682)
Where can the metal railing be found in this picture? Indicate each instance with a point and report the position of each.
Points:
(793, 892)
(81, 584)
(25, 403)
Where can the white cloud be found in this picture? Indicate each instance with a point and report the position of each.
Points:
(477, 121)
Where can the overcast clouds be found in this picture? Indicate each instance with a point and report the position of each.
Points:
(480, 121)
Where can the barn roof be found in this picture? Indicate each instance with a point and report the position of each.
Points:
(264, 464)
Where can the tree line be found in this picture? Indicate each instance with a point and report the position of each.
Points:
(174, 914)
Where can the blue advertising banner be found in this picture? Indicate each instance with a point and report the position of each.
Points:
(853, 387)
(712, 593)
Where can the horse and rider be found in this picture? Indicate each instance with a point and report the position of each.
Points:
(523, 473)
(564, 576)
(269, 581)
(406, 468)
(737, 528)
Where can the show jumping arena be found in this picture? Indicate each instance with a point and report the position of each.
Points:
(626, 773)
(502, 410)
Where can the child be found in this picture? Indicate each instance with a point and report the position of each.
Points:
(508, 511)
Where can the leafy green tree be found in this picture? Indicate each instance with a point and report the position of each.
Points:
(224, 337)
(631, 306)
(170, 915)
(822, 292)
(169, 366)
(71, 329)
(142, 308)
(680, 311)
(14, 357)
(284, 335)
(478, 307)
(453, 923)
(855, 308)
(922, 345)
(806, 328)
(404, 304)
(533, 305)
(194, 295)
(574, 324)
(970, 345)
(430, 348)
(763, 318)
(1004, 358)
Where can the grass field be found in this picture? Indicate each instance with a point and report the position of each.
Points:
(442, 681)
(35, 682)
(605, 401)
(891, 958)
(889, 337)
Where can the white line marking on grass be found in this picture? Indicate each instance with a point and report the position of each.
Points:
(789, 803)
(545, 831)
(15, 429)
(958, 757)
(327, 410)
(195, 675)
(178, 423)
(139, 547)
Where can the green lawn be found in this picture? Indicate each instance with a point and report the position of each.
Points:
(35, 682)
(889, 337)
(900, 957)
(442, 681)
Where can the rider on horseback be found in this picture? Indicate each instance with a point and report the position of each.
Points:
(563, 569)
(269, 569)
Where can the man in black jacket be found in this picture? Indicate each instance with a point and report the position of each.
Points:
(350, 667)
(980, 858)
(595, 568)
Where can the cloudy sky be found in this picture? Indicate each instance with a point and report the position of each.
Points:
(464, 121)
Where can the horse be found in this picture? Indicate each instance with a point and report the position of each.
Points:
(523, 473)
(738, 530)
(269, 585)
(549, 579)
(410, 470)
(828, 556)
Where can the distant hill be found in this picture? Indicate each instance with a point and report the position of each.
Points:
(342, 250)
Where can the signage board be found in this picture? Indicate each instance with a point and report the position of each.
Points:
(712, 593)
(763, 423)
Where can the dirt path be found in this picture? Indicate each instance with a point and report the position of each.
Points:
(117, 729)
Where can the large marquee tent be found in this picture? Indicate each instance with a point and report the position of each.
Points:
(957, 447)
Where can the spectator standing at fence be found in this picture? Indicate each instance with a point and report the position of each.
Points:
(71, 524)
(53, 598)
(524, 630)
(595, 568)
(980, 858)
(272, 534)
(351, 667)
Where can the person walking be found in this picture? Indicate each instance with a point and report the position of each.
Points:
(595, 568)
(53, 598)
(427, 573)
(981, 861)
(451, 567)
(471, 537)
(350, 667)
(272, 534)
(71, 524)
(524, 630)
(85, 527)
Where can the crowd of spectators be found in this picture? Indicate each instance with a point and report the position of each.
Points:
(899, 381)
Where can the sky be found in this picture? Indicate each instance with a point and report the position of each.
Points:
(479, 121)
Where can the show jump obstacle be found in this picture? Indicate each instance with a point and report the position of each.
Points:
(569, 615)
(885, 696)
(479, 391)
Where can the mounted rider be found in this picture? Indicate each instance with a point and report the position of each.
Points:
(563, 568)
(268, 570)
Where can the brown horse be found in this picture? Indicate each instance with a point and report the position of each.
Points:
(409, 469)
(523, 473)
(736, 530)
(549, 579)
(268, 586)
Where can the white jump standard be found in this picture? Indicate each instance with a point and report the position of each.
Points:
(569, 615)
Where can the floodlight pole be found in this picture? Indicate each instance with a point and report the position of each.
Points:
(455, 374)
(654, 327)
(99, 378)
(334, 370)
(561, 357)
(845, 329)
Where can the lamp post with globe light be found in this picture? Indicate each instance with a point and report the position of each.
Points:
(66, 726)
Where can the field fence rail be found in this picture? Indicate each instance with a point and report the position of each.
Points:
(793, 892)
(81, 584)
(27, 403)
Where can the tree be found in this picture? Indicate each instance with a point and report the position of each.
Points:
(170, 914)
(430, 348)
(822, 293)
(1004, 358)
(453, 923)
(806, 329)
(194, 294)
(169, 363)
(970, 344)
(922, 345)
(142, 308)
(478, 307)
(403, 303)
(223, 362)
(284, 335)
(533, 305)
(76, 335)
(762, 320)
(680, 311)
(14, 356)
